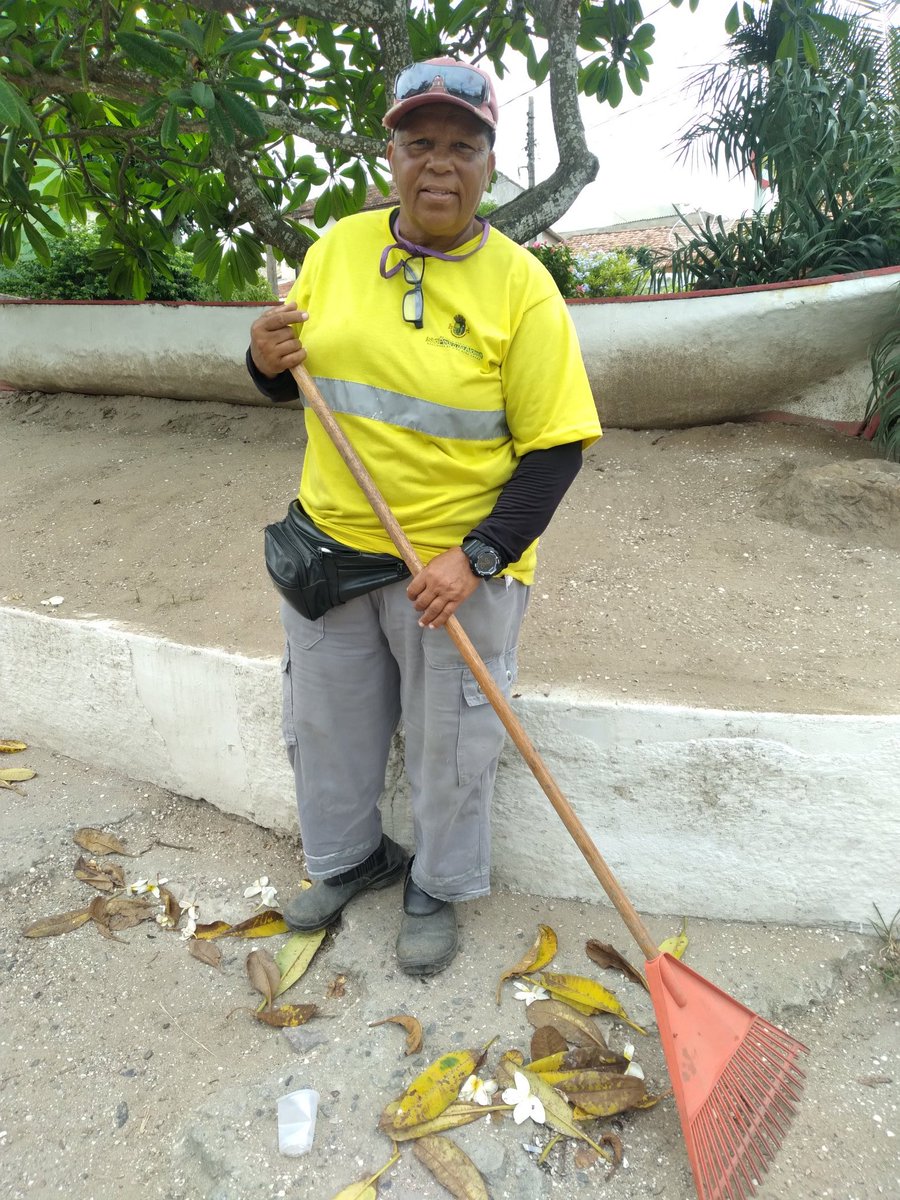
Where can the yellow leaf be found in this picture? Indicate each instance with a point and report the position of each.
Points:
(541, 953)
(413, 1030)
(586, 996)
(676, 945)
(8, 747)
(295, 956)
(365, 1190)
(206, 933)
(437, 1087)
(16, 774)
(456, 1114)
(264, 924)
(451, 1167)
(61, 923)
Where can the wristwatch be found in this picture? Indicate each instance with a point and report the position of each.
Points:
(483, 558)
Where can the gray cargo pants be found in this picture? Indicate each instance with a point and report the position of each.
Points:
(349, 677)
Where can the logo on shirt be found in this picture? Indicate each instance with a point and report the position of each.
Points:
(458, 326)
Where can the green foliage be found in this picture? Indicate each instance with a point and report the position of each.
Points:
(583, 275)
(170, 121)
(887, 960)
(884, 396)
(78, 270)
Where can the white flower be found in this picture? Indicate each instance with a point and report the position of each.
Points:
(147, 885)
(264, 890)
(478, 1090)
(633, 1068)
(165, 920)
(525, 1104)
(192, 908)
(529, 992)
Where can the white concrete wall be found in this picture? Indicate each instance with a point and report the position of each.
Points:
(709, 813)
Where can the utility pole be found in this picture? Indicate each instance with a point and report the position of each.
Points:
(529, 141)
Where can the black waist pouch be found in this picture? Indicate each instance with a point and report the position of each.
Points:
(314, 572)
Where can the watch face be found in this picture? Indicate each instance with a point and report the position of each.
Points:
(487, 562)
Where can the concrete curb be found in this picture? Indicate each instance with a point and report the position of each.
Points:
(712, 813)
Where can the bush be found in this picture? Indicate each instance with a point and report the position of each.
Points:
(591, 275)
(77, 272)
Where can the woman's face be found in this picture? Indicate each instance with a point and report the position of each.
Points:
(441, 163)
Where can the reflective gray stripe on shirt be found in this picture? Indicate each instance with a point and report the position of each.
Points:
(411, 412)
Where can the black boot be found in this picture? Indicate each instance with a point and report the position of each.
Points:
(321, 904)
(428, 938)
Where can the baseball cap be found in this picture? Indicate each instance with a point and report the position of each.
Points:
(443, 81)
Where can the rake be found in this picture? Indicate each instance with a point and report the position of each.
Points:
(736, 1077)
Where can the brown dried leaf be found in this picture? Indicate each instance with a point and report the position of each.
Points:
(510, 1062)
(263, 924)
(601, 1094)
(547, 1041)
(172, 908)
(100, 917)
(458, 1113)
(98, 841)
(652, 1101)
(614, 1142)
(263, 973)
(103, 876)
(337, 988)
(10, 747)
(215, 929)
(556, 1109)
(60, 923)
(205, 952)
(451, 1167)
(577, 1029)
(586, 1156)
(413, 1030)
(287, 1016)
(123, 912)
(605, 955)
(539, 955)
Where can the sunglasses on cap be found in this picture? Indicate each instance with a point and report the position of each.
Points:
(460, 81)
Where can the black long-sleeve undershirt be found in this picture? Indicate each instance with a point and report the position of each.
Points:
(526, 503)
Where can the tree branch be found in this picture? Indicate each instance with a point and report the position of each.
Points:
(269, 226)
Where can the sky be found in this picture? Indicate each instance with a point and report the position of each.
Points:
(638, 174)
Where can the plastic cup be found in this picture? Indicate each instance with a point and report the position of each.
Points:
(297, 1121)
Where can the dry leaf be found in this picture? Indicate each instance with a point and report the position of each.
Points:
(263, 974)
(105, 877)
(215, 929)
(615, 1144)
(458, 1113)
(451, 1167)
(437, 1086)
(576, 1029)
(413, 1030)
(10, 747)
(61, 923)
(295, 956)
(123, 912)
(98, 841)
(100, 917)
(336, 988)
(676, 945)
(509, 1063)
(605, 955)
(541, 953)
(586, 1156)
(600, 1093)
(554, 1067)
(547, 1041)
(16, 774)
(287, 1016)
(556, 1111)
(586, 996)
(652, 1101)
(365, 1189)
(264, 924)
(205, 952)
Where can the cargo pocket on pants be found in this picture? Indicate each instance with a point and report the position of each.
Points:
(481, 732)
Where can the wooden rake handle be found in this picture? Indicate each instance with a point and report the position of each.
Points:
(476, 665)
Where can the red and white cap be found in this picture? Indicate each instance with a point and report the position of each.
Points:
(439, 90)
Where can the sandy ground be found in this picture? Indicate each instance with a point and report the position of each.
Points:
(678, 569)
(129, 1069)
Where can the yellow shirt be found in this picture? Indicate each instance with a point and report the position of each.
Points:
(441, 415)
